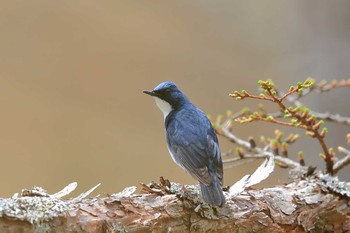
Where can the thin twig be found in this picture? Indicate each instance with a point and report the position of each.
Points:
(341, 163)
(257, 152)
(336, 118)
(319, 115)
(328, 86)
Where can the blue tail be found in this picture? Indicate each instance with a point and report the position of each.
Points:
(212, 194)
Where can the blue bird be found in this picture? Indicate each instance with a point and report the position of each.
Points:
(191, 140)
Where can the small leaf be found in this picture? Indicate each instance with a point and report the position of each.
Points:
(219, 119)
(324, 132)
(310, 133)
(318, 125)
(294, 138)
(294, 121)
(284, 151)
(298, 108)
(269, 118)
(301, 158)
(240, 152)
(322, 156)
(245, 110)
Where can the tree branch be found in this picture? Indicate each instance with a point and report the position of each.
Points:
(299, 206)
(300, 117)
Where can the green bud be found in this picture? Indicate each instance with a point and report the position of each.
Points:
(297, 108)
(245, 110)
(269, 118)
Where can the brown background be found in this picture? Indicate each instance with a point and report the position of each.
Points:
(72, 75)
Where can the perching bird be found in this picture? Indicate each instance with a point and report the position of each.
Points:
(191, 140)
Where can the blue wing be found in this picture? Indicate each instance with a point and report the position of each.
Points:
(194, 145)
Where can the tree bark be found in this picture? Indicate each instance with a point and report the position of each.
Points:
(307, 205)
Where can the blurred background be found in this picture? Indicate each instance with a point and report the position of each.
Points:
(72, 75)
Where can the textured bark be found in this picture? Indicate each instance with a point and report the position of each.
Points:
(303, 206)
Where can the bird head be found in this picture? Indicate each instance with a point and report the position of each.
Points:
(168, 97)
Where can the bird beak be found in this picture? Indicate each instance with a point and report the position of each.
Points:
(151, 93)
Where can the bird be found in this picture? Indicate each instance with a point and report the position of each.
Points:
(191, 140)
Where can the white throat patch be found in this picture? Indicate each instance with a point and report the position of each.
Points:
(164, 106)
